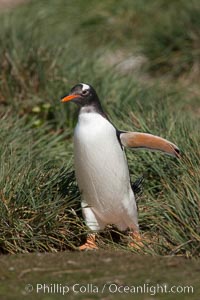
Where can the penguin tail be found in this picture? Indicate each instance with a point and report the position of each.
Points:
(137, 186)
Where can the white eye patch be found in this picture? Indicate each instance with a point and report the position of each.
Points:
(85, 87)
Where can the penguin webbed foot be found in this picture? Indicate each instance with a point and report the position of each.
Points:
(136, 240)
(90, 243)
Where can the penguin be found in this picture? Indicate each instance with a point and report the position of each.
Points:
(101, 167)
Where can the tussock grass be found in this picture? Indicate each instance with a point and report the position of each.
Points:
(172, 40)
(38, 193)
(45, 48)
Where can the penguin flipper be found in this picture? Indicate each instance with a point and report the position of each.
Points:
(137, 186)
(148, 141)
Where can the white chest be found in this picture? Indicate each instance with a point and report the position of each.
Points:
(100, 164)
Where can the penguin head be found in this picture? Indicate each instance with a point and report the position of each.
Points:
(82, 94)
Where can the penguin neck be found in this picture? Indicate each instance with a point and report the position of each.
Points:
(93, 107)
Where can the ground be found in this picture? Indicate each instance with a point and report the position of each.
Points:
(21, 275)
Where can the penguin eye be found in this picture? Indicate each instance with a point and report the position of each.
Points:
(85, 92)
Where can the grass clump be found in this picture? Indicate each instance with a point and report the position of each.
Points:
(172, 40)
(37, 190)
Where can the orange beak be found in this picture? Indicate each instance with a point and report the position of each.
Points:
(69, 97)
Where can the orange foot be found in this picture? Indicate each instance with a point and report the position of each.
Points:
(136, 240)
(90, 243)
